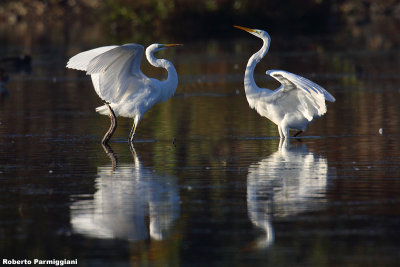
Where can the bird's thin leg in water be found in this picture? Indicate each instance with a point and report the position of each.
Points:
(283, 143)
(285, 131)
(111, 155)
(113, 125)
(280, 132)
(280, 143)
(132, 148)
(134, 155)
(296, 134)
(132, 134)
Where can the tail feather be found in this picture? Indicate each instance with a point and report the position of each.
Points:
(103, 110)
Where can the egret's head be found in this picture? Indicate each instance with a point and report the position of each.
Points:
(159, 47)
(256, 32)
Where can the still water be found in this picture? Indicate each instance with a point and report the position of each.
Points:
(222, 194)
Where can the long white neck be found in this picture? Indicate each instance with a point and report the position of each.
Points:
(169, 85)
(250, 86)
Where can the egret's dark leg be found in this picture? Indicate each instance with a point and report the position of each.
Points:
(296, 134)
(111, 155)
(113, 125)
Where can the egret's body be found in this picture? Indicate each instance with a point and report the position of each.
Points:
(118, 80)
(295, 104)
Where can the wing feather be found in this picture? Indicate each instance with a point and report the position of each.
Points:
(119, 71)
(300, 82)
(114, 69)
(82, 60)
(311, 96)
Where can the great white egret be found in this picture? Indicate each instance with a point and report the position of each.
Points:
(296, 103)
(118, 80)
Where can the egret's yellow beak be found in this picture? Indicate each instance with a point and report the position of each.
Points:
(172, 45)
(245, 29)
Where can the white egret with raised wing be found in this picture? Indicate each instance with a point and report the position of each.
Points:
(119, 82)
(295, 104)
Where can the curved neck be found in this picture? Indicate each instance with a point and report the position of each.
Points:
(169, 85)
(250, 85)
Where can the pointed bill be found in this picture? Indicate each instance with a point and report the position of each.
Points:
(244, 28)
(172, 45)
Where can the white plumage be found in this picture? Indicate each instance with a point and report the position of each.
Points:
(296, 103)
(118, 80)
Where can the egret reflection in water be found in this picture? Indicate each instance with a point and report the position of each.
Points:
(132, 202)
(288, 182)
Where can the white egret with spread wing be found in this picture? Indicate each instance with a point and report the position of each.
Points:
(118, 80)
(296, 103)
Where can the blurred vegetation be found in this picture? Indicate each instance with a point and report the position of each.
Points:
(191, 19)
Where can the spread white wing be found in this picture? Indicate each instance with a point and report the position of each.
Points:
(81, 60)
(311, 97)
(114, 69)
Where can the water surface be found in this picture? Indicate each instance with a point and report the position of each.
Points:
(224, 193)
